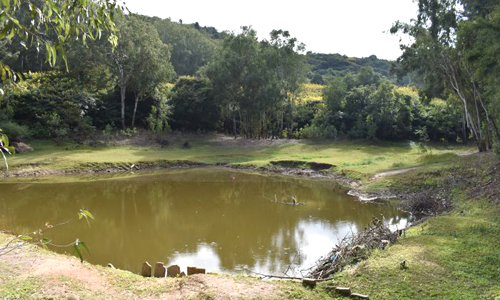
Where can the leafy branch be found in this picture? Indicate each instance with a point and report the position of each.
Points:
(64, 19)
(77, 246)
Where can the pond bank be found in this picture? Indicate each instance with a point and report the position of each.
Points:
(437, 252)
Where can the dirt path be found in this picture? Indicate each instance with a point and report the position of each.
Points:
(400, 171)
(30, 272)
(390, 173)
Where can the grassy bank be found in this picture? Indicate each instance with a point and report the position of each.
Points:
(358, 159)
(453, 255)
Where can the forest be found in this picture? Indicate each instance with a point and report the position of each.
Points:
(164, 75)
(147, 146)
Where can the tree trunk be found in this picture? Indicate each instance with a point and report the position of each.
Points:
(135, 110)
(282, 122)
(123, 93)
(234, 126)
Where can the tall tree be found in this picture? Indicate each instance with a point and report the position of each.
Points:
(256, 82)
(290, 70)
(191, 49)
(140, 61)
(152, 67)
(434, 52)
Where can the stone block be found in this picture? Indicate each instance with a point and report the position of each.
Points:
(173, 271)
(160, 270)
(146, 269)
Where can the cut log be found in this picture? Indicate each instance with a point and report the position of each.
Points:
(160, 270)
(344, 291)
(173, 271)
(307, 282)
(359, 296)
(146, 269)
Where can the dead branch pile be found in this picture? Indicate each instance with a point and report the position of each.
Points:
(355, 248)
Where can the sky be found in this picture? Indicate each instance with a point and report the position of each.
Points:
(356, 28)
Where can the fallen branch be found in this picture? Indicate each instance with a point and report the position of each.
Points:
(354, 248)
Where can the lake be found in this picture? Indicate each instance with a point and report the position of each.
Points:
(214, 218)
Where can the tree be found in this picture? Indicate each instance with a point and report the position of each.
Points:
(139, 62)
(290, 69)
(435, 53)
(194, 106)
(64, 19)
(152, 67)
(256, 83)
(479, 37)
(191, 49)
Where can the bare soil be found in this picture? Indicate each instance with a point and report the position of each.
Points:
(60, 276)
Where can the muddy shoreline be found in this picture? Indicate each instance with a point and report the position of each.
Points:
(304, 171)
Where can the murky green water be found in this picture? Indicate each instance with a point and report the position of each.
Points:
(218, 219)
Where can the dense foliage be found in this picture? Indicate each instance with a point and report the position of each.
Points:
(325, 66)
(267, 88)
(365, 106)
(455, 49)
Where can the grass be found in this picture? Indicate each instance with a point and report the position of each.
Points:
(357, 158)
(452, 256)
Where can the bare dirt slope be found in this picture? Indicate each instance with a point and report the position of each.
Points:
(29, 272)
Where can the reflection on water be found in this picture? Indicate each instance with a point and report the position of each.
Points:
(218, 219)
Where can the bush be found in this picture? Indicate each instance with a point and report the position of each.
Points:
(128, 132)
(318, 132)
(14, 131)
(496, 147)
(51, 105)
(107, 133)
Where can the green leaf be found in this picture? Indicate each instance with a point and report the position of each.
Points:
(45, 241)
(77, 248)
(77, 251)
(87, 213)
(84, 245)
(25, 237)
(6, 4)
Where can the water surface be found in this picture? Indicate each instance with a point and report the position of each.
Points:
(222, 220)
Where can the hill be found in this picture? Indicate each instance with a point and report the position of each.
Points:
(332, 65)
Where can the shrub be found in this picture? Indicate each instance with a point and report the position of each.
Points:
(318, 132)
(107, 133)
(128, 132)
(51, 105)
(15, 131)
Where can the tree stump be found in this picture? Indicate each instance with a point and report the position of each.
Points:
(160, 270)
(173, 271)
(146, 269)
